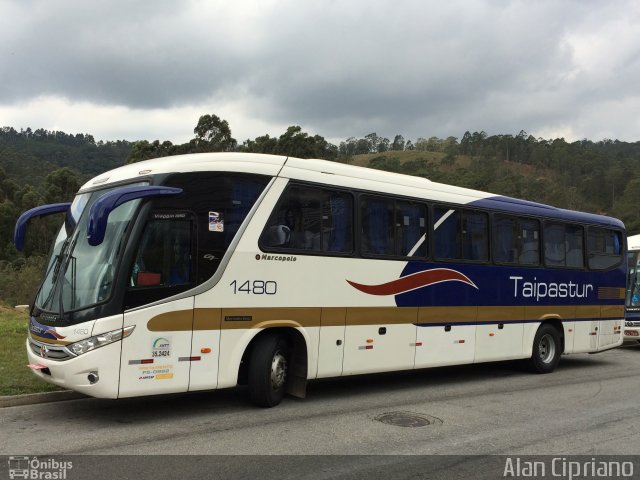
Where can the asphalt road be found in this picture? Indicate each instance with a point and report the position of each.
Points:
(589, 406)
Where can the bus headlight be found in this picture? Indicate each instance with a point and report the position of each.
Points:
(91, 343)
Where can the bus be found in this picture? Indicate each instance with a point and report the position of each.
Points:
(206, 271)
(632, 311)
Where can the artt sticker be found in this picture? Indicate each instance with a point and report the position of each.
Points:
(161, 348)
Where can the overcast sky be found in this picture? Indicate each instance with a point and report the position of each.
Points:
(147, 70)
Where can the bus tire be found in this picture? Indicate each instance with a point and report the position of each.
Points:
(269, 368)
(547, 348)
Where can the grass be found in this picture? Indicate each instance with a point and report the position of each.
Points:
(15, 377)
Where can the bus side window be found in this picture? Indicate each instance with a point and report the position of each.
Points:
(411, 220)
(447, 233)
(461, 234)
(475, 236)
(563, 245)
(604, 247)
(337, 222)
(505, 239)
(378, 224)
(529, 242)
(554, 245)
(575, 246)
(516, 240)
(311, 219)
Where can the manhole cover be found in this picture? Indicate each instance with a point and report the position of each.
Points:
(407, 419)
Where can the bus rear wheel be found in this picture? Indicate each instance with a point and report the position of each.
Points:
(547, 349)
(269, 367)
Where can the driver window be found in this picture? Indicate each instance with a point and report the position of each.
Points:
(164, 257)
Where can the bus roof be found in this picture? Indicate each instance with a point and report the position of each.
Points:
(340, 174)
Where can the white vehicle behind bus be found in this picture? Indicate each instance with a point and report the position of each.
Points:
(632, 312)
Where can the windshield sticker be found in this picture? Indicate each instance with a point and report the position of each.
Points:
(169, 216)
(216, 222)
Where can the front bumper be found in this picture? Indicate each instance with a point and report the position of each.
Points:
(74, 373)
(631, 331)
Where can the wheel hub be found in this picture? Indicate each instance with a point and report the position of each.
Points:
(278, 371)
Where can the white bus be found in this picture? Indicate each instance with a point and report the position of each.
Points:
(632, 311)
(206, 271)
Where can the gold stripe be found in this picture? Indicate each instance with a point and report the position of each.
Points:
(333, 317)
(381, 315)
(306, 317)
(544, 313)
(611, 293)
(612, 311)
(500, 314)
(587, 311)
(447, 314)
(270, 317)
(178, 321)
(50, 341)
(207, 318)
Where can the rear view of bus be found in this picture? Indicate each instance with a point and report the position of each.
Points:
(632, 311)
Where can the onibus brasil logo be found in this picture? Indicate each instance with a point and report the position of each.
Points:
(35, 468)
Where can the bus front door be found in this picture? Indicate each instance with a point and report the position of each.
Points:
(156, 357)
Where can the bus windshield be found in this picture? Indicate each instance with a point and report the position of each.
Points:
(80, 275)
(633, 282)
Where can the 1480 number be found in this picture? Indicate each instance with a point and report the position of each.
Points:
(255, 287)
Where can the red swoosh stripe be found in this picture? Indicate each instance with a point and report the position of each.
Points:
(55, 334)
(414, 281)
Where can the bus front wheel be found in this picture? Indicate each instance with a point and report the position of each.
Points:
(269, 368)
(547, 349)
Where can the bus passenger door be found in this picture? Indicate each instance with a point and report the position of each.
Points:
(156, 357)
(205, 348)
(379, 339)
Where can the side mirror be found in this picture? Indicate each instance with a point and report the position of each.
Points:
(20, 230)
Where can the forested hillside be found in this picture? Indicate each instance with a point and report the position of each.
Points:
(42, 166)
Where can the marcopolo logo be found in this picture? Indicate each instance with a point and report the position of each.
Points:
(37, 469)
(276, 258)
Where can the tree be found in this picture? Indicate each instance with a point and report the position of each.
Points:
(144, 150)
(61, 185)
(398, 143)
(213, 135)
(263, 144)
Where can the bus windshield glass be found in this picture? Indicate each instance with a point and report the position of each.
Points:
(80, 275)
(633, 282)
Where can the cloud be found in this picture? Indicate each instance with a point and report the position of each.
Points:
(337, 68)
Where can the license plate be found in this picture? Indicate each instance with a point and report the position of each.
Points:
(36, 366)
(631, 333)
